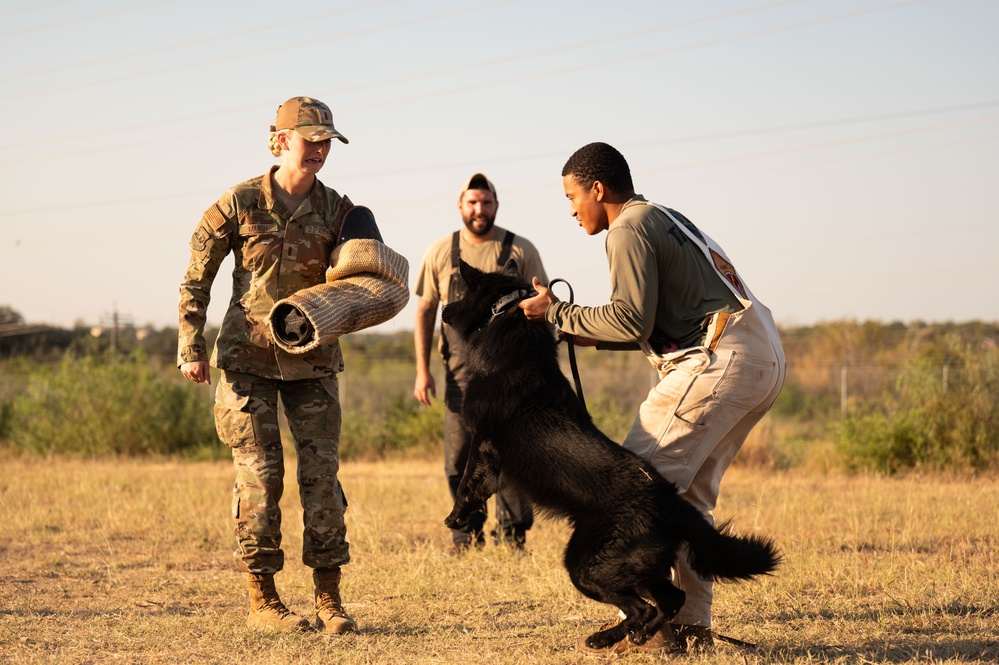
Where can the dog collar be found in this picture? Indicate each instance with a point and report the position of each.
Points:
(503, 304)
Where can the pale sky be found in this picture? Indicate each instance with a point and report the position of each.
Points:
(845, 153)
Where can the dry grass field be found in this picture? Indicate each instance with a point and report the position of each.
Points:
(129, 561)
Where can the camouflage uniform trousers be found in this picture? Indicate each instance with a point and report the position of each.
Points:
(246, 417)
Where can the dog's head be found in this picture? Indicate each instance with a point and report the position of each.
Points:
(490, 294)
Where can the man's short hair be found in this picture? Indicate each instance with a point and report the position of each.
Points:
(599, 161)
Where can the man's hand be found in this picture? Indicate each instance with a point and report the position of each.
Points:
(535, 308)
(424, 388)
(423, 335)
(196, 371)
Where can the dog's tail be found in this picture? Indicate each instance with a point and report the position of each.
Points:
(717, 554)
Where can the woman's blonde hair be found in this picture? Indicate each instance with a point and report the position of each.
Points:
(274, 144)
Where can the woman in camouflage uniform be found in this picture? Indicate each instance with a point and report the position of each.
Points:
(281, 228)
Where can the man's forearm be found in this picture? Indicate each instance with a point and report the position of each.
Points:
(424, 335)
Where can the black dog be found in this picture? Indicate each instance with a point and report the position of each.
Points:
(530, 432)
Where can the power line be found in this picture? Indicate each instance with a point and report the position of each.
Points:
(893, 281)
(820, 124)
(585, 44)
(115, 202)
(676, 140)
(83, 19)
(214, 39)
(256, 52)
(813, 163)
(483, 85)
(698, 138)
(809, 147)
(631, 57)
(465, 86)
(822, 145)
(409, 78)
(35, 6)
(519, 78)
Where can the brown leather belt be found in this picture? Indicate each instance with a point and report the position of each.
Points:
(715, 329)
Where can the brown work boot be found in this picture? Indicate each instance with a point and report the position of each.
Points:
(267, 612)
(661, 643)
(696, 639)
(330, 615)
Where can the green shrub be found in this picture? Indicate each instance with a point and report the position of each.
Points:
(412, 426)
(610, 416)
(6, 409)
(404, 426)
(795, 401)
(140, 405)
(91, 407)
(923, 423)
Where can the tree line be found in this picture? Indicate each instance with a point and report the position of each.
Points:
(859, 395)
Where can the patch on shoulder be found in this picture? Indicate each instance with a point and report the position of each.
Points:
(215, 218)
(727, 270)
(199, 241)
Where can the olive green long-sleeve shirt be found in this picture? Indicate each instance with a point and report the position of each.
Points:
(660, 280)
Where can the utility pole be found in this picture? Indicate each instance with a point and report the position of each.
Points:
(843, 395)
(114, 323)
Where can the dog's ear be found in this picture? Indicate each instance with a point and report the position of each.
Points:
(511, 268)
(471, 276)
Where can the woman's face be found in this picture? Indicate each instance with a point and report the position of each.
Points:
(302, 155)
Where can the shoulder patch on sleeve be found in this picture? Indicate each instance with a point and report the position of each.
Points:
(199, 241)
(215, 218)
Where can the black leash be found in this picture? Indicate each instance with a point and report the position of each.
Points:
(572, 346)
(731, 640)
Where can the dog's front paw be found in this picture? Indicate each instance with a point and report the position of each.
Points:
(456, 520)
(643, 633)
(603, 639)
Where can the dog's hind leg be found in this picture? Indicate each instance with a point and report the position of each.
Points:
(668, 599)
(600, 571)
(641, 621)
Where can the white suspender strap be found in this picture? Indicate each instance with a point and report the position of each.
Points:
(715, 256)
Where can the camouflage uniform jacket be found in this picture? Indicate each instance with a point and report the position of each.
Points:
(276, 254)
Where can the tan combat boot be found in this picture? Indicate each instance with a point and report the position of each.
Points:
(267, 612)
(330, 615)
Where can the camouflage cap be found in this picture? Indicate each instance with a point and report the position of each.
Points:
(309, 117)
(477, 181)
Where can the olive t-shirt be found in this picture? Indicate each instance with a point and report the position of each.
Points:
(435, 271)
